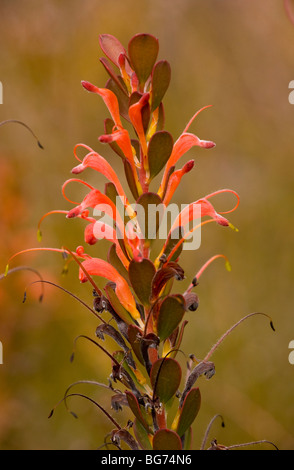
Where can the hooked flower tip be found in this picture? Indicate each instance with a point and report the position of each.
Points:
(88, 86)
(207, 144)
(77, 169)
(73, 213)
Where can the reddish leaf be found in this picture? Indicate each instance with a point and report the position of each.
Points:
(113, 75)
(111, 47)
(143, 51)
(165, 439)
(163, 275)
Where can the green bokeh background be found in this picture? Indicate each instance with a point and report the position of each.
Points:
(235, 55)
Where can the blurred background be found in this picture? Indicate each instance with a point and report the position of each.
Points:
(235, 55)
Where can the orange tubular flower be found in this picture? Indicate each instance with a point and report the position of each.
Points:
(97, 162)
(184, 143)
(91, 232)
(135, 114)
(109, 99)
(99, 267)
(175, 180)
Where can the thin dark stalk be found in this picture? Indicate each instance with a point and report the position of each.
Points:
(209, 428)
(71, 294)
(8, 121)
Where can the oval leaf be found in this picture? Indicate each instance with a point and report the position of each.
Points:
(165, 378)
(159, 150)
(189, 411)
(141, 274)
(114, 260)
(165, 439)
(142, 435)
(143, 51)
(161, 75)
(170, 315)
(135, 407)
(130, 179)
(111, 47)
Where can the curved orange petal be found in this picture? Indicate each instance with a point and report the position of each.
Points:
(97, 162)
(175, 180)
(184, 143)
(98, 230)
(96, 198)
(99, 267)
(136, 119)
(109, 99)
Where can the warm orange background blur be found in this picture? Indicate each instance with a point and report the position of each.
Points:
(236, 55)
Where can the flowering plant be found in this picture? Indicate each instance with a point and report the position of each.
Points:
(146, 318)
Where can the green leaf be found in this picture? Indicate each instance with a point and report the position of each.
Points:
(141, 435)
(159, 150)
(141, 274)
(188, 439)
(165, 439)
(161, 118)
(170, 315)
(111, 192)
(135, 407)
(161, 75)
(143, 51)
(147, 217)
(134, 374)
(130, 179)
(165, 378)
(189, 411)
